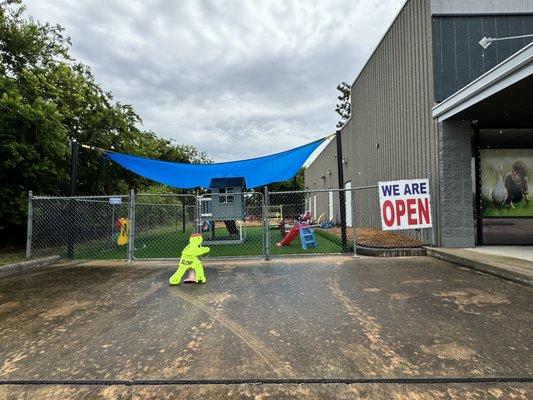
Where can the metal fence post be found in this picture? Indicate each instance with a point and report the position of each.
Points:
(432, 208)
(342, 194)
(198, 208)
(29, 231)
(354, 221)
(182, 214)
(71, 218)
(71, 240)
(131, 240)
(266, 221)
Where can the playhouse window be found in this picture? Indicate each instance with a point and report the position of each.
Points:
(226, 195)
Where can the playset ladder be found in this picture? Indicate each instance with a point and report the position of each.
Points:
(307, 237)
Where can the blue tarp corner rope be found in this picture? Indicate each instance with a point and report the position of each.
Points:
(256, 171)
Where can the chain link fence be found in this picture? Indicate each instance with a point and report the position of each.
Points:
(163, 224)
(307, 222)
(233, 224)
(79, 227)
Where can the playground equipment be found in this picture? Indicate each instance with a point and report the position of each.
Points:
(122, 225)
(225, 204)
(189, 261)
(289, 236)
(275, 214)
(307, 236)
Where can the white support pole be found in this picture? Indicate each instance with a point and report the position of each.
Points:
(198, 219)
(266, 220)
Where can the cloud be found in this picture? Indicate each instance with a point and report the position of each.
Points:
(237, 79)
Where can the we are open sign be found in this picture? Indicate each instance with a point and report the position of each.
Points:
(405, 204)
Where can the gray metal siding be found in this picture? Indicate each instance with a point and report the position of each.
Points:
(458, 58)
(481, 6)
(325, 161)
(313, 178)
(391, 105)
(391, 102)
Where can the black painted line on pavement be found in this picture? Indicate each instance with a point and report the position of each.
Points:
(297, 381)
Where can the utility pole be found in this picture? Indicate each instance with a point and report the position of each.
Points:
(342, 194)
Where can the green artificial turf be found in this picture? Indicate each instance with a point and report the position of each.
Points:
(10, 256)
(520, 209)
(168, 243)
(324, 245)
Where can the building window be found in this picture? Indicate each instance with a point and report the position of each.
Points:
(226, 195)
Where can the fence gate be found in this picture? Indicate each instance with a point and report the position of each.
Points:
(163, 224)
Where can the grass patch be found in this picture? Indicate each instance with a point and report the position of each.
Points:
(325, 244)
(169, 242)
(10, 256)
(335, 239)
(520, 209)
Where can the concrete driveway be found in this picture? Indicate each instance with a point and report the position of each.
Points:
(331, 327)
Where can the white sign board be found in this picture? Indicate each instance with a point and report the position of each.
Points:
(115, 200)
(405, 204)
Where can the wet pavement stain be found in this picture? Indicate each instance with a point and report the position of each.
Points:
(274, 392)
(320, 318)
(451, 351)
(468, 299)
(387, 360)
(247, 339)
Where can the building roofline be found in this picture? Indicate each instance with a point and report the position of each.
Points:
(380, 40)
(433, 14)
(481, 14)
(327, 144)
(511, 70)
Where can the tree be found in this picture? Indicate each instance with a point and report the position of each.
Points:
(48, 99)
(343, 108)
(295, 183)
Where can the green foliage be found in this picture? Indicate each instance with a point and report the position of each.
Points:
(295, 183)
(343, 108)
(48, 99)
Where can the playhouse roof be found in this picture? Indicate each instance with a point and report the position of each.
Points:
(217, 183)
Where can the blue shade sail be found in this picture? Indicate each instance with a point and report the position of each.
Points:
(256, 171)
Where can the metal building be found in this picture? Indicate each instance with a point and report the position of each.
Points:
(431, 101)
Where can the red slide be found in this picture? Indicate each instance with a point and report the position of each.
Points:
(290, 236)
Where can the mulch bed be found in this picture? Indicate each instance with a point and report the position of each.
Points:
(371, 237)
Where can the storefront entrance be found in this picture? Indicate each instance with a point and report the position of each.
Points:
(504, 200)
(494, 111)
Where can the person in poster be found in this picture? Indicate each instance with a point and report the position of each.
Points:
(505, 184)
(516, 183)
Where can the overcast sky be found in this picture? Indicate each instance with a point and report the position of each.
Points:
(236, 79)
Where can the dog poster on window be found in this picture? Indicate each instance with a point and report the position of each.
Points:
(504, 182)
